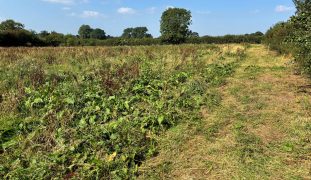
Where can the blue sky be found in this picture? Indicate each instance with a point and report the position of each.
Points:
(210, 17)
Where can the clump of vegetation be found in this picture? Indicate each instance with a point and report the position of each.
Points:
(86, 113)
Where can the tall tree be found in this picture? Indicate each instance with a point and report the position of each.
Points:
(43, 34)
(258, 33)
(137, 32)
(55, 39)
(175, 24)
(85, 31)
(127, 33)
(11, 25)
(141, 32)
(192, 34)
(98, 34)
(13, 34)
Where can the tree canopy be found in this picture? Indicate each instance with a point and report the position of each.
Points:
(11, 25)
(138, 32)
(13, 34)
(175, 24)
(98, 34)
(85, 31)
(192, 34)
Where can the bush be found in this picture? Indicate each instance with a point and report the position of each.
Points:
(19, 38)
(301, 37)
(277, 36)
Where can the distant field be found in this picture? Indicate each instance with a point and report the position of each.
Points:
(153, 112)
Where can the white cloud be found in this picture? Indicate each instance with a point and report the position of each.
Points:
(126, 10)
(87, 14)
(282, 8)
(60, 1)
(67, 2)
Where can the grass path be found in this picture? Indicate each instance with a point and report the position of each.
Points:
(262, 129)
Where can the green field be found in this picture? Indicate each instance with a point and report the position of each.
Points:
(153, 112)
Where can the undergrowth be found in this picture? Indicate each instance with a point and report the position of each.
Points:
(99, 118)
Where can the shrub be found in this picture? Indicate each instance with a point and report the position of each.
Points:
(277, 36)
(301, 37)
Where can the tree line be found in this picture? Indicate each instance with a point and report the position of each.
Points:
(294, 36)
(174, 29)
